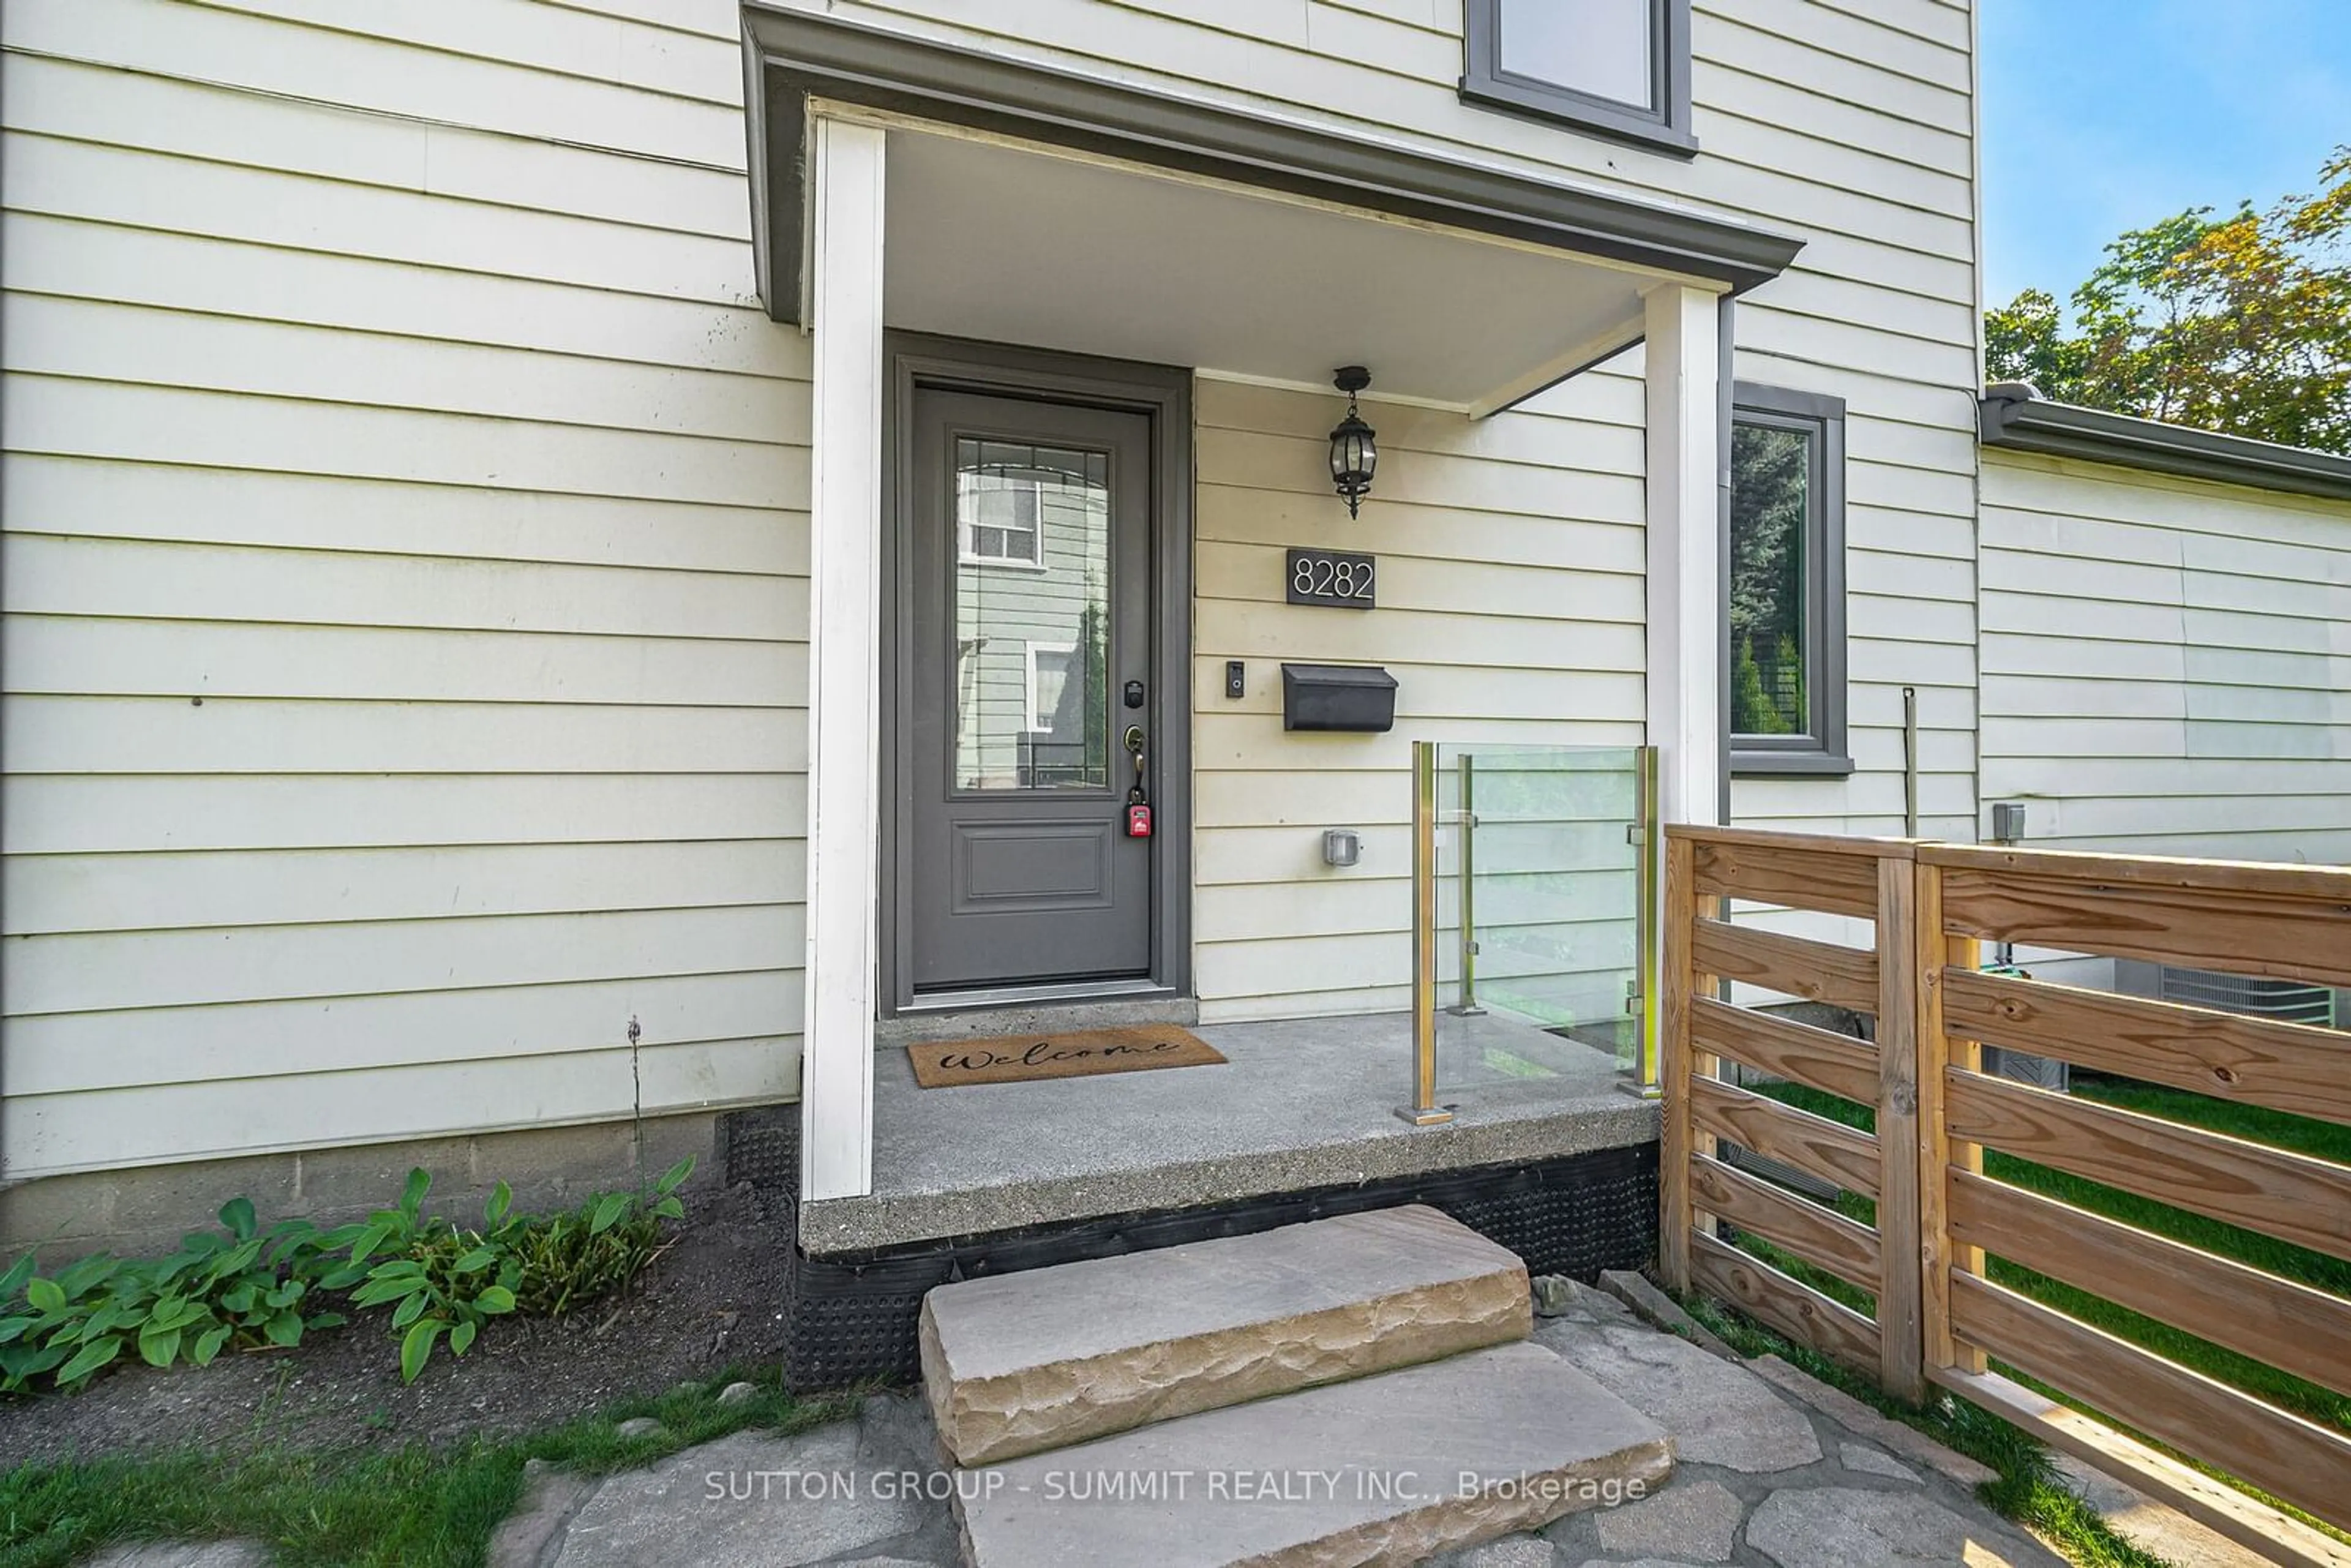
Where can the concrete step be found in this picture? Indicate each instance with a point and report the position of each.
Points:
(1387, 1469)
(1018, 1364)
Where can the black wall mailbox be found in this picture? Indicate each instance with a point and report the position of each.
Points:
(1338, 696)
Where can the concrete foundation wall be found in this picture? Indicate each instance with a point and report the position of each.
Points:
(143, 1212)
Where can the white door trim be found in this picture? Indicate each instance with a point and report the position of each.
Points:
(844, 656)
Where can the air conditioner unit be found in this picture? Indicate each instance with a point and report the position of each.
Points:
(2287, 1001)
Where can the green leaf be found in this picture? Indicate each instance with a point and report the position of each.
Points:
(674, 1177)
(474, 1262)
(375, 1292)
(22, 1270)
(239, 1299)
(669, 1208)
(286, 1294)
(285, 1328)
(363, 1247)
(610, 1209)
(496, 1300)
(238, 1215)
(325, 1320)
(343, 1278)
(92, 1356)
(47, 1295)
(12, 1329)
(158, 1347)
(208, 1345)
(80, 1277)
(183, 1315)
(461, 1338)
(417, 1346)
(411, 1309)
(26, 1361)
(501, 1199)
(412, 1196)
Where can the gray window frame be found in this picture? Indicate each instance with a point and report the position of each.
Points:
(1666, 128)
(1822, 751)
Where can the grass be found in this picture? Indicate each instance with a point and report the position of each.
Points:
(412, 1507)
(2298, 1132)
(2027, 1490)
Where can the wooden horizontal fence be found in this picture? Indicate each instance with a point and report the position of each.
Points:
(1941, 1317)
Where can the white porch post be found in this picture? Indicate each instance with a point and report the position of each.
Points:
(1685, 587)
(844, 631)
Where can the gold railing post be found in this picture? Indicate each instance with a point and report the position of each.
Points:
(1466, 815)
(1647, 938)
(1424, 1110)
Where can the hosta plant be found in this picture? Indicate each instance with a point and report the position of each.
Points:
(240, 1288)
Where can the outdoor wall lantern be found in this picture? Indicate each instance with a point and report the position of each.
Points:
(1352, 455)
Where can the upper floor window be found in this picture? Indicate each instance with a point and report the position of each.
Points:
(1785, 592)
(1001, 519)
(1620, 67)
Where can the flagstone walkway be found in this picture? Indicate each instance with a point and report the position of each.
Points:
(1774, 1471)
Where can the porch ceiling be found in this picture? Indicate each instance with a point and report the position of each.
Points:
(1014, 244)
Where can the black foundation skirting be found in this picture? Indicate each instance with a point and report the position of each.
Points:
(852, 1316)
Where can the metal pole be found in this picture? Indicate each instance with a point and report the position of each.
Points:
(1424, 1112)
(1468, 818)
(1909, 762)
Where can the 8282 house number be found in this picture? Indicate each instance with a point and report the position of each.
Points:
(1337, 578)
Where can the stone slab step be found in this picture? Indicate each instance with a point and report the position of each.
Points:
(1018, 1364)
(1387, 1469)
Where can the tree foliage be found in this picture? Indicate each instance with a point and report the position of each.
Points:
(2239, 323)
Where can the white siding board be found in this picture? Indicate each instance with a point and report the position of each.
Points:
(61, 416)
(96, 656)
(164, 348)
(66, 1053)
(47, 894)
(226, 736)
(120, 815)
(201, 1121)
(177, 503)
(60, 574)
(197, 120)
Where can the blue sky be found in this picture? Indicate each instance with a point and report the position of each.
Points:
(2103, 115)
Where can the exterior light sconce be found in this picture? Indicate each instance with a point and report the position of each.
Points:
(1353, 454)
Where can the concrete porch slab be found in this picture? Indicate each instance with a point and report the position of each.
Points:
(1298, 1105)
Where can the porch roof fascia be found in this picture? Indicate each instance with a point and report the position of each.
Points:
(2015, 417)
(792, 55)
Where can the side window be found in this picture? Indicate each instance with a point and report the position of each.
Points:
(1784, 589)
(1616, 68)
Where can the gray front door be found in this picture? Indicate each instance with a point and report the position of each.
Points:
(1027, 674)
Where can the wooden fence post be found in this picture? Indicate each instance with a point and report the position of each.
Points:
(1673, 1064)
(1937, 1154)
(1898, 1221)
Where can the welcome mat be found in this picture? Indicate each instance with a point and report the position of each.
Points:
(1081, 1053)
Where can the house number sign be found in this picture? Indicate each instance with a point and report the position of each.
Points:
(1339, 580)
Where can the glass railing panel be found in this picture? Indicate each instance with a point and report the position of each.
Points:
(1538, 869)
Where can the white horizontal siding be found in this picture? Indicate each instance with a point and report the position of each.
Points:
(2167, 663)
(405, 569)
(1510, 605)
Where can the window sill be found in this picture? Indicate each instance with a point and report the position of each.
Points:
(1789, 764)
(1574, 113)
